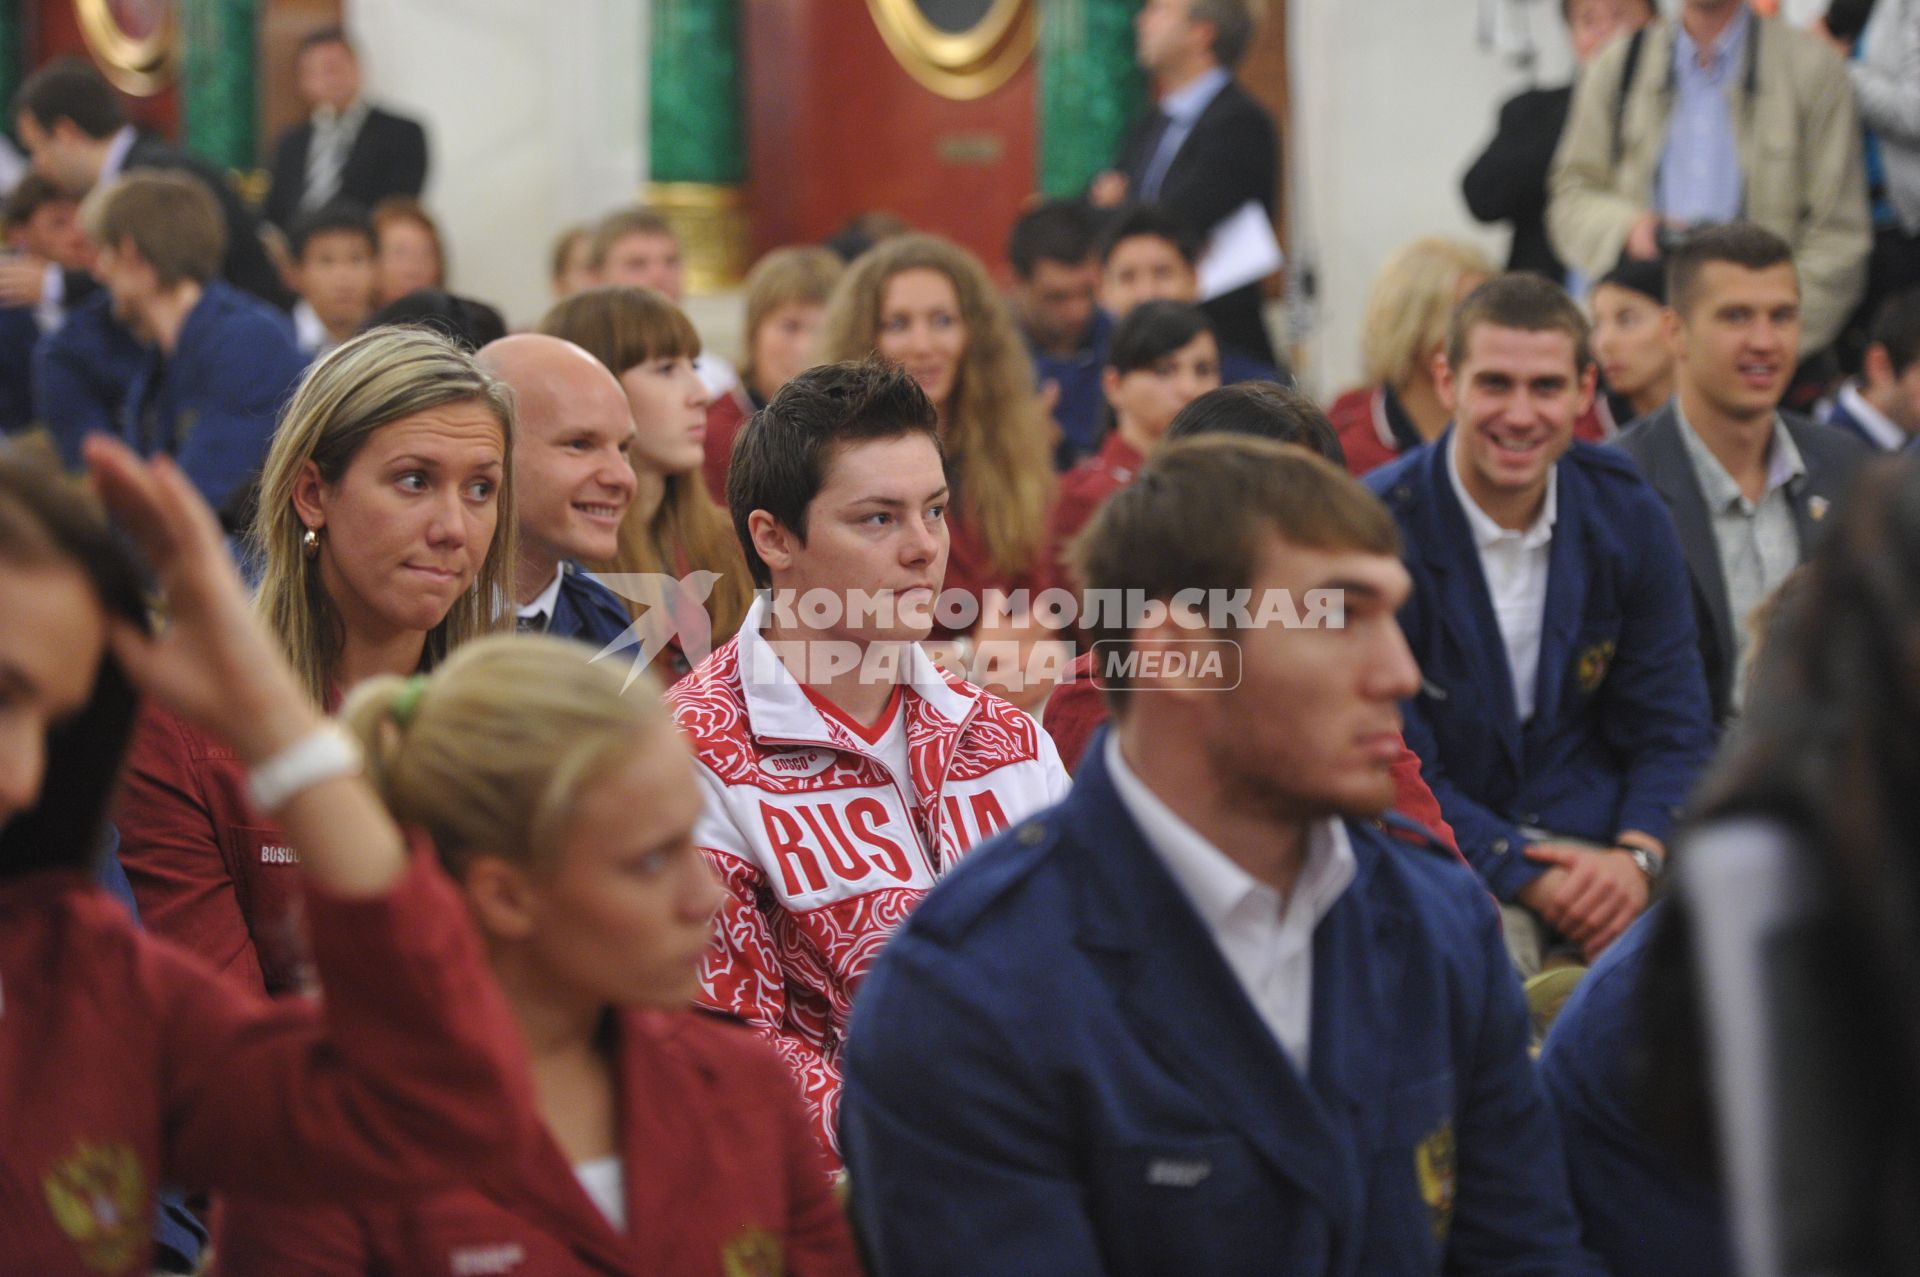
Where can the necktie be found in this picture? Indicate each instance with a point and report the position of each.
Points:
(535, 624)
(1145, 180)
(326, 155)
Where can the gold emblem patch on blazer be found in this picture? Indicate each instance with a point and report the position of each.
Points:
(754, 1253)
(1433, 1162)
(1592, 665)
(98, 1197)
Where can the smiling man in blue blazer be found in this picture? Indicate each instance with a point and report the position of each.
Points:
(1208, 1016)
(1563, 717)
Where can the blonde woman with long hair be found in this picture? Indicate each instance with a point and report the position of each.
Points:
(663, 1141)
(1403, 332)
(673, 529)
(385, 533)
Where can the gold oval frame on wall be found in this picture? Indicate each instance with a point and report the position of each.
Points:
(140, 65)
(964, 65)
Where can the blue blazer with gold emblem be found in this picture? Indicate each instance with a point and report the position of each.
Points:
(1621, 726)
(1051, 1069)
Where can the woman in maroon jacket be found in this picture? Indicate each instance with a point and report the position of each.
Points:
(385, 531)
(667, 1142)
(126, 1062)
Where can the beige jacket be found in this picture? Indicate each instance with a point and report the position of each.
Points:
(1800, 148)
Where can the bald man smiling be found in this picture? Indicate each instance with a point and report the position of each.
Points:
(573, 483)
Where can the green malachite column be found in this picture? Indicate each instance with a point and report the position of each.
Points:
(696, 143)
(11, 55)
(217, 99)
(694, 129)
(1090, 89)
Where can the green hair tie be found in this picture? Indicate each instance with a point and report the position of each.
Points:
(406, 702)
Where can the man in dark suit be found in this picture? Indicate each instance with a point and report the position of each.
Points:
(1208, 1015)
(1562, 718)
(1749, 487)
(79, 138)
(1882, 405)
(1208, 148)
(347, 149)
(1508, 183)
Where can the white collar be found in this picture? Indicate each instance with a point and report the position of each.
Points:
(778, 707)
(116, 157)
(1212, 882)
(1486, 532)
(349, 119)
(309, 333)
(544, 602)
(1882, 429)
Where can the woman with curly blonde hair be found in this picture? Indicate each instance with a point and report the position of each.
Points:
(673, 528)
(929, 304)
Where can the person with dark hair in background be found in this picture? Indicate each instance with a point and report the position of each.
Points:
(347, 149)
(218, 364)
(42, 228)
(1162, 357)
(72, 124)
(1206, 1016)
(1630, 343)
(1056, 278)
(1508, 183)
(333, 271)
(1750, 487)
(1148, 253)
(1208, 149)
(467, 320)
(1562, 716)
(1259, 410)
(1882, 404)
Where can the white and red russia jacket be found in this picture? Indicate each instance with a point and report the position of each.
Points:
(823, 850)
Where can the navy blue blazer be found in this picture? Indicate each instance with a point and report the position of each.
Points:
(587, 610)
(1051, 1069)
(19, 334)
(212, 405)
(80, 375)
(1621, 725)
(1638, 1213)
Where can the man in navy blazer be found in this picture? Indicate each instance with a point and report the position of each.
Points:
(1208, 1016)
(217, 364)
(1563, 717)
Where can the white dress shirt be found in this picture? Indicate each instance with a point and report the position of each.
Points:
(1183, 109)
(1879, 427)
(543, 602)
(1266, 940)
(1514, 564)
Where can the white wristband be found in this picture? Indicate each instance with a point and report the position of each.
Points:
(322, 754)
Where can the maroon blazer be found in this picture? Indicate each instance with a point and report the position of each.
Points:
(723, 1176)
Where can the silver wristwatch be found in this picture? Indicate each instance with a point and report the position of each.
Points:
(1650, 865)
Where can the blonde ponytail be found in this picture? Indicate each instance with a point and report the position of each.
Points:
(488, 754)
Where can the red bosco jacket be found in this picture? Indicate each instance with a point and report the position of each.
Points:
(822, 850)
(126, 1063)
(209, 872)
(723, 1177)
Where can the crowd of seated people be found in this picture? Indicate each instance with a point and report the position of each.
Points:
(990, 776)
